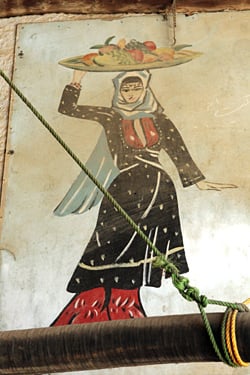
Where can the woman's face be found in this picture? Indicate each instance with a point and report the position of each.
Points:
(131, 91)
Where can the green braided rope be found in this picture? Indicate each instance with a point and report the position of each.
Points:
(227, 359)
(235, 306)
(181, 283)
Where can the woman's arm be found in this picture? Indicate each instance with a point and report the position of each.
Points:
(188, 170)
(175, 147)
(69, 102)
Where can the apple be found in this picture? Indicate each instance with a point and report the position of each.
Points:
(88, 59)
(151, 46)
(137, 54)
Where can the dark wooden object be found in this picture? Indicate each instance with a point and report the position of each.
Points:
(149, 341)
(10, 8)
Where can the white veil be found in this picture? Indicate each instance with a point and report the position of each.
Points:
(145, 106)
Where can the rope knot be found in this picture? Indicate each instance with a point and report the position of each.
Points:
(241, 307)
(161, 262)
(203, 301)
(188, 292)
(180, 282)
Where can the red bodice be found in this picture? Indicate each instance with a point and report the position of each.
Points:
(147, 128)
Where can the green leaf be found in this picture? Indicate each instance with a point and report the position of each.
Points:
(107, 41)
(181, 46)
(97, 46)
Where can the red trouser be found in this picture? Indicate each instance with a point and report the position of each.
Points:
(125, 304)
(89, 306)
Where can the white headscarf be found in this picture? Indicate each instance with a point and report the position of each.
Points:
(145, 106)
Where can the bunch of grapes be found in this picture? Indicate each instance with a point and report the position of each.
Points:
(122, 57)
(134, 44)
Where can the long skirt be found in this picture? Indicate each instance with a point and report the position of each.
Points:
(116, 256)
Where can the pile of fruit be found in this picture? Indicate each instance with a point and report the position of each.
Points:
(129, 53)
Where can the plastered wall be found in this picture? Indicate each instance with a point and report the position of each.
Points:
(217, 106)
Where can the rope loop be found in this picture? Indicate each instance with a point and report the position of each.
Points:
(228, 335)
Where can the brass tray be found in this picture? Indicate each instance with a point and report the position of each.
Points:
(78, 64)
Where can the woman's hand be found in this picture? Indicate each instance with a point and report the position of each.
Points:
(77, 78)
(206, 185)
(78, 75)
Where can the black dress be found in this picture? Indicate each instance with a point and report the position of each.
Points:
(116, 256)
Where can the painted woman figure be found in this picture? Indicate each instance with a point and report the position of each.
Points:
(117, 262)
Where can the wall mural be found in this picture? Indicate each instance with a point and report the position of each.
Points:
(116, 261)
(164, 130)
